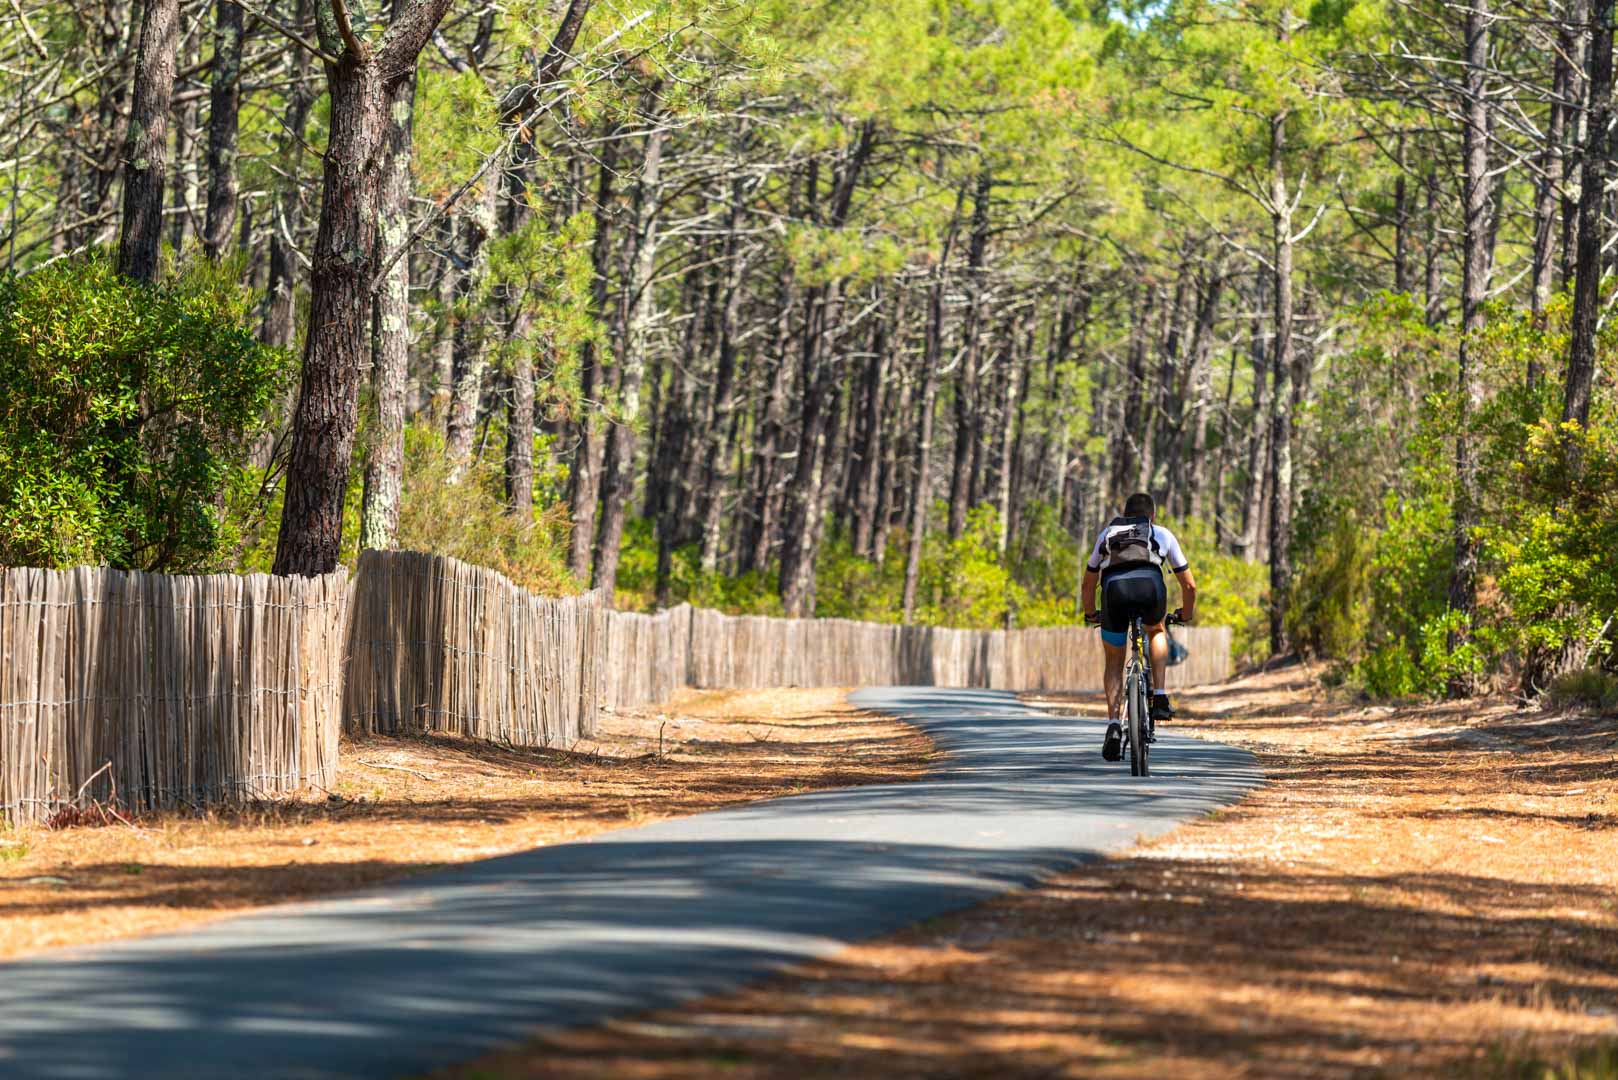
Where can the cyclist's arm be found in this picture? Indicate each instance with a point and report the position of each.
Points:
(1092, 574)
(1188, 593)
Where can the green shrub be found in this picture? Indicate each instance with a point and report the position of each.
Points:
(1230, 591)
(1329, 610)
(966, 582)
(1390, 672)
(127, 416)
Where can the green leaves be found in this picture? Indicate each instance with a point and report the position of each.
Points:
(129, 410)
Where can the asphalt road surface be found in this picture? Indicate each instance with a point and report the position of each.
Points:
(437, 969)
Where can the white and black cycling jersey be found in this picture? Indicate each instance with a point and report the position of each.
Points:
(1165, 548)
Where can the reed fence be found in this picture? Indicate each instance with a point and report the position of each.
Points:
(756, 652)
(436, 644)
(156, 691)
(648, 657)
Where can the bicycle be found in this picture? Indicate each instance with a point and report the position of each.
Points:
(1139, 729)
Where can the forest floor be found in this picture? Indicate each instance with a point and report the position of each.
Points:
(405, 805)
(1419, 890)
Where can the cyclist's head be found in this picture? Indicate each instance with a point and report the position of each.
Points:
(1139, 504)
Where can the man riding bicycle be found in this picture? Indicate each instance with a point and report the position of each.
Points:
(1127, 562)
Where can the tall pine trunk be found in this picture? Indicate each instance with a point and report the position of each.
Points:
(1587, 270)
(584, 484)
(1281, 419)
(921, 490)
(966, 405)
(1476, 251)
(224, 105)
(390, 340)
(620, 463)
(345, 258)
(146, 160)
(470, 341)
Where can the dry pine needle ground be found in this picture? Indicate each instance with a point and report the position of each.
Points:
(402, 806)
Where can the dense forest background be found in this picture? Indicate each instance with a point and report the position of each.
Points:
(860, 309)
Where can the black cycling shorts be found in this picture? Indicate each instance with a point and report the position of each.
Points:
(1129, 593)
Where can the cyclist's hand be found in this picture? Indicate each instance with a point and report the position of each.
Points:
(1179, 618)
(1092, 618)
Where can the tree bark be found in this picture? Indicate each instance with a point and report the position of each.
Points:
(1258, 452)
(345, 257)
(761, 540)
(1587, 270)
(715, 462)
(182, 188)
(921, 492)
(280, 310)
(1280, 531)
(390, 340)
(1201, 379)
(1574, 40)
(897, 410)
(584, 479)
(868, 451)
(517, 308)
(1477, 235)
(1010, 435)
(146, 156)
(470, 356)
(224, 105)
(807, 496)
(966, 405)
(620, 463)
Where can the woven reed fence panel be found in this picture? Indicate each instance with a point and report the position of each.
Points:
(648, 657)
(439, 645)
(154, 691)
(1070, 658)
(752, 652)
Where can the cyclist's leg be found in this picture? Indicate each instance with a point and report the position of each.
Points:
(1114, 641)
(1157, 647)
(1158, 650)
(1113, 677)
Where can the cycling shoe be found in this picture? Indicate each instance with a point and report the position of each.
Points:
(1112, 747)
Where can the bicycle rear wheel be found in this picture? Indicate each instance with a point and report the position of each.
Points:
(1135, 709)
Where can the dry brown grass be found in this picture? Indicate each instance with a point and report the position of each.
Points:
(401, 806)
(1414, 890)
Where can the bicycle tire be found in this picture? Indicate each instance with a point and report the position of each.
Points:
(1142, 709)
(1133, 731)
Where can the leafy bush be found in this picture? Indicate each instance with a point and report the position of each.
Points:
(1391, 671)
(1329, 611)
(127, 416)
(1557, 576)
(966, 581)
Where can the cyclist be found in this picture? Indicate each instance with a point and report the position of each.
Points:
(1127, 562)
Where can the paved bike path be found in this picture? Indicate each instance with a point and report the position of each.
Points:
(417, 974)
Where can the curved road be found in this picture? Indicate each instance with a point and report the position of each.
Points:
(440, 968)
